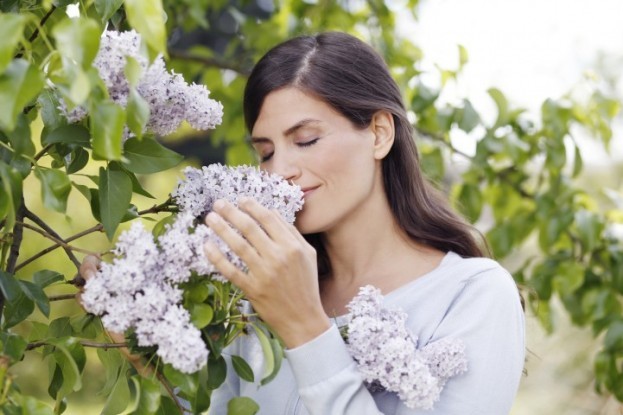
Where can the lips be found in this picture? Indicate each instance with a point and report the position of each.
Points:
(308, 190)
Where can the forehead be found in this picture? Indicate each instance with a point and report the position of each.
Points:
(286, 107)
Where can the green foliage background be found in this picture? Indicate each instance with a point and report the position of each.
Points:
(77, 185)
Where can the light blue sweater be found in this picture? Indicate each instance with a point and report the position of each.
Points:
(474, 299)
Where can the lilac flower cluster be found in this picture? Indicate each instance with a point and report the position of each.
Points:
(139, 289)
(171, 100)
(387, 355)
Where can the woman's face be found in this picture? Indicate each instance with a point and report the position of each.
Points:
(306, 141)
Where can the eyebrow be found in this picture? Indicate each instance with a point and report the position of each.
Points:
(303, 123)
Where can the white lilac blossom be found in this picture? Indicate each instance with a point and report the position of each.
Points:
(139, 289)
(204, 186)
(388, 357)
(171, 100)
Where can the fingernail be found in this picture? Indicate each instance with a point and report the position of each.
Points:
(211, 217)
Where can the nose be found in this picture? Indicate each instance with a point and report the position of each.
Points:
(285, 164)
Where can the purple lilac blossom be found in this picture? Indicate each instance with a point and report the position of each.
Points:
(387, 355)
(139, 288)
(171, 100)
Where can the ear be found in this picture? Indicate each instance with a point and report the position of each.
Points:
(382, 125)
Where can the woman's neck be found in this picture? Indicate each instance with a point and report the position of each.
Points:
(371, 248)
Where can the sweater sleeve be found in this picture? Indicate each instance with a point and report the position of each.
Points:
(327, 377)
(487, 316)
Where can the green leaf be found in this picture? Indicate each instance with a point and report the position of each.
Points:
(68, 354)
(11, 194)
(49, 110)
(19, 84)
(60, 327)
(469, 118)
(188, 383)
(147, 17)
(242, 405)
(77, 40)
(471, 201)
(32, 406)
(149, 156)
(107, 122)
(272, 362)
(18, 310)
(46, 277)
(106, 8)
(115, 366)
(36, 294)
(613, 341)
(79, 159)
(11, 290)
(133, 72)
(137, 113)
(502, 105)
(242, 368)
(69, 134)
(569, 277)
(137, 187)
(463, 56)
(115, 194)
(578, 164)
(20, 137)
(148, 399)
(55, 188)
(11, 33)
(201, 315)
(13, 345)
(589, 228)
(118, 399)
(217, 371)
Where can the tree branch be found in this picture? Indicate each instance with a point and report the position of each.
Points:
(51, 248)
(61, 297)
(85, 343)
(18, 233)
(210, 61)
(62, 243)
(36, 32)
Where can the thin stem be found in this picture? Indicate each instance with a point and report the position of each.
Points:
(61, 297)
(170, 391)
(209, 61)
(85, 343)
(42, 152)
(18, 233)
(51, 248)
(37, 30)
(65, 246)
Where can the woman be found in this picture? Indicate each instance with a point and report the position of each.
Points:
(324, 112)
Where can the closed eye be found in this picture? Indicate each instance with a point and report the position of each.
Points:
(308, 143)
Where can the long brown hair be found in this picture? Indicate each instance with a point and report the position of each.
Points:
(350, 76)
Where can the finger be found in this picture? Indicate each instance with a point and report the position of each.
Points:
(233, 239)
(89, 266)
(222, 264)
(271, 221)
(240, 220)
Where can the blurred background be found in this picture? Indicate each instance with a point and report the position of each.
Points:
(532, 50)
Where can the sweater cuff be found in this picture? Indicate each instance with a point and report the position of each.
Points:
(319, 359)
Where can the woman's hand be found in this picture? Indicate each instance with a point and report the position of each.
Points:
(282, 278)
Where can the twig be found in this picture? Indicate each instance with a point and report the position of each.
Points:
(209, 61)
(36, 219)
(85, 343)
(172, 394)
(36, 32)
(42, 152)
(166, 206)
(62, 297)
(58, 241)
(97, 228)
(18, 233)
